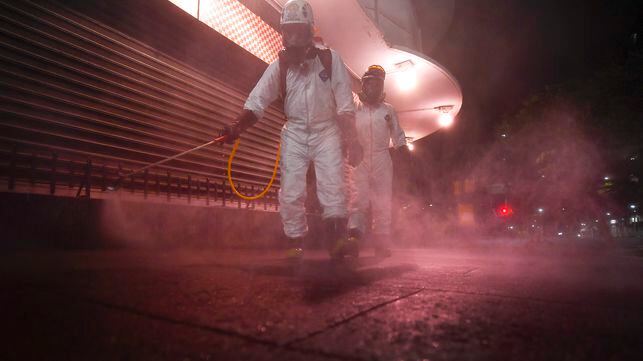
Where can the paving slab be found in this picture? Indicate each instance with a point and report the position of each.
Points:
(442, 325)
(433, 304)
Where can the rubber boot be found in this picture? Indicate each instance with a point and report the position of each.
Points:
(340, 244)
(294, 250)
(354, 238)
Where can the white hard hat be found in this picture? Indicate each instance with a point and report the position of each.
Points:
(297, 12)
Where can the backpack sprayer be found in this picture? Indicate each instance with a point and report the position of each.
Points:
(220, 139)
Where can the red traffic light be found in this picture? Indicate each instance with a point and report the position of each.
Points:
(504, 210)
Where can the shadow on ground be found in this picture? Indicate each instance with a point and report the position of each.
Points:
(323, 279)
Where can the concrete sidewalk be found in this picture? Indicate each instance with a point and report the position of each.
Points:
(428, 304)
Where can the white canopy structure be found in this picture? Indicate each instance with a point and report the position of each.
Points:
(369, 32)
(364, 32)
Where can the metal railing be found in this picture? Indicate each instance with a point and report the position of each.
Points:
(53, 174)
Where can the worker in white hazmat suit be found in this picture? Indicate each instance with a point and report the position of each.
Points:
(320, 128)
(371, 181)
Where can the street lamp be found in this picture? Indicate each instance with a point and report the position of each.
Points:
(406, 76)
(446, 118)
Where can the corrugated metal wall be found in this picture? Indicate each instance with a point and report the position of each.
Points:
(81, 102)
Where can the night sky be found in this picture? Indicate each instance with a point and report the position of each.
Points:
(503, 50)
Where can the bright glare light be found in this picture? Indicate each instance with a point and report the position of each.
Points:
(406, 80)
(613, 221)
(445, 119)
(503, 135)
(606, 178)
(410, 146)
(560, 233)
(632, 206)
(504, 210)
(578, 235)
(540, 210)
(608, 214)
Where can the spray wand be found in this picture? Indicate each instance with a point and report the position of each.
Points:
(220, 139)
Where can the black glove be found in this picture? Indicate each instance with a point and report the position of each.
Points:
(231, 133)
(403, 159)
(355, 153)
(244, 121)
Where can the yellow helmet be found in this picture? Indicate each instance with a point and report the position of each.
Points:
(375, 71)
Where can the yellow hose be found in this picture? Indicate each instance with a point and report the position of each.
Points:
(234, 189)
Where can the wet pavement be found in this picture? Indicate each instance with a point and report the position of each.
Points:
(422, 304)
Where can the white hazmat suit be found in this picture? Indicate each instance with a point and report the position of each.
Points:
(314, 103)
(371, 181)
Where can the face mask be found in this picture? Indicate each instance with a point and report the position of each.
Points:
(296, 35)
(373, 90)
